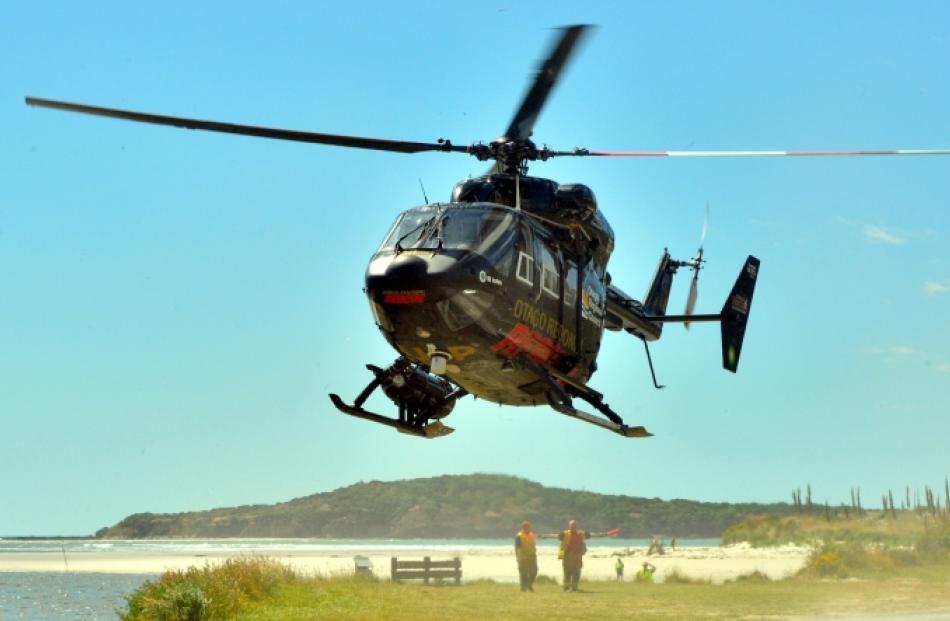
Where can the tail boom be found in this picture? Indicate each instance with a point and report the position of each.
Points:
(633, 317)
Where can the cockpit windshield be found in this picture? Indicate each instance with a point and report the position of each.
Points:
(436, 227)
(409, 228)
(485, 229)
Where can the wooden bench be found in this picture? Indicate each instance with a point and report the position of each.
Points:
(427, 570)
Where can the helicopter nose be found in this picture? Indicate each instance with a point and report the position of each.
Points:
(412, 279)
(405, 273)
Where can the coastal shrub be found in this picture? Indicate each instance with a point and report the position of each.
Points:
(677, 577)
(188, 602)
(867, 528)
(764, 530)
(755, 576)
(905, 556)
(844, 559)
(840, 560)
(544, 579)
(826, 563)
(207, 593)
(934, 543)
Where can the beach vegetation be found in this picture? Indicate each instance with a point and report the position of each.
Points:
(678, 577)
(934, 543)
(847, 558)
(267, 592)
(186, 600)
(754, 576)
(207, 593)
(479, 581)
(868, 527)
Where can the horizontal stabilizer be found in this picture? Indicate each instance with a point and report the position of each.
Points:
(735, 314)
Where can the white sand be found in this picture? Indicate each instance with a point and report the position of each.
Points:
(717, 564)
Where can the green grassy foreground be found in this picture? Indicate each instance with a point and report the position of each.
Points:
(914, 589)
(859, 574)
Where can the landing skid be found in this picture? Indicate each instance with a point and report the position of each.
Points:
(422, 399)
(561, 389)
(434, 429)
(619, 428)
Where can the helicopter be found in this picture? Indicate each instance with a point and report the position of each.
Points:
(503, 292)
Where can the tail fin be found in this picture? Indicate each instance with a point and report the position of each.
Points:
(735, 314)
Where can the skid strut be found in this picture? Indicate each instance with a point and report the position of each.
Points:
(561, 389)
(422, 399)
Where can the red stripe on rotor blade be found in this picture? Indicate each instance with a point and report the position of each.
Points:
(775, 153)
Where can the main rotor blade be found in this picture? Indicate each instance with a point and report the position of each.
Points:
(585, 152)
(523, 122)
(358, 142)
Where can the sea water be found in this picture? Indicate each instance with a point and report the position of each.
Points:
(65, 595)
(263, 547)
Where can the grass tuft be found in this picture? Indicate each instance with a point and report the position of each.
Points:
(675, 577)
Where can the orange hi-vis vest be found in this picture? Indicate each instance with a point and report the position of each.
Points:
(568, 545)
(526, 545)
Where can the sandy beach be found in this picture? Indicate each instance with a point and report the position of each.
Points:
(717, 564)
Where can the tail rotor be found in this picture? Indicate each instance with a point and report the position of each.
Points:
(696, 264)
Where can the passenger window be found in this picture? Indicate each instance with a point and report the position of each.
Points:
(593, 297)
(525, 268)
(549, 273)
(570, 284)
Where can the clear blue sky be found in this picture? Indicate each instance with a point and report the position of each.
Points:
(175, 306)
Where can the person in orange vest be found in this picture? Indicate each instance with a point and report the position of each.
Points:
(572, 553)
(527, 554)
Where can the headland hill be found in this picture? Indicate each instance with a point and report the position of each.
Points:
(450, 506)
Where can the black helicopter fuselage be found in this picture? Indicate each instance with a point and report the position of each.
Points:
(500, 281)
(503, 292)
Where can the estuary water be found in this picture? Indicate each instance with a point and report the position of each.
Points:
(65, 596)
(70, 547)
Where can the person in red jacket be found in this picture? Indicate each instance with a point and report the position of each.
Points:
(572, 553)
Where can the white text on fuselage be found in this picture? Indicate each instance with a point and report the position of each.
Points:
(485, 277)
